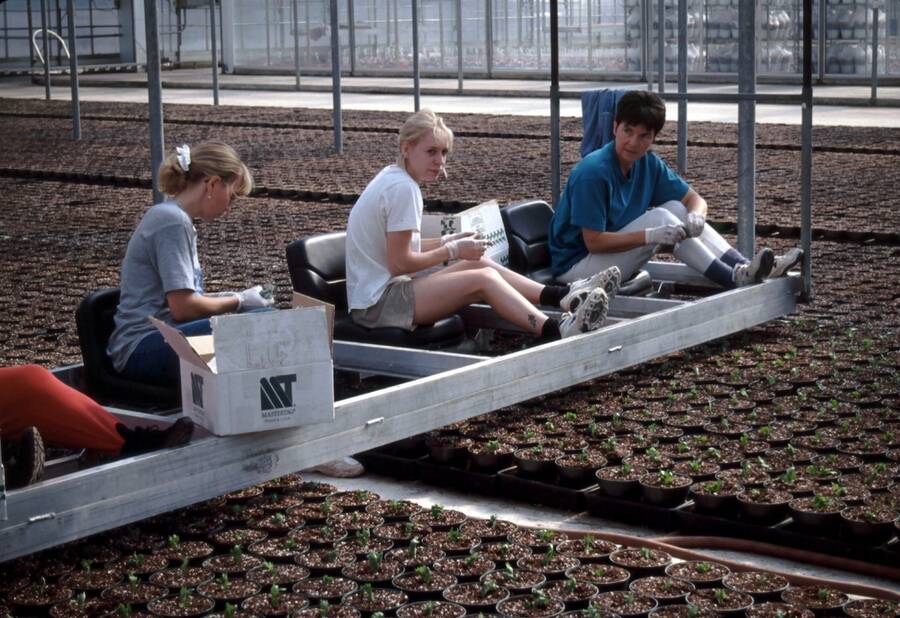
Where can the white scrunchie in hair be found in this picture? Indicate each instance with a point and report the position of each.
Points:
(183, 154)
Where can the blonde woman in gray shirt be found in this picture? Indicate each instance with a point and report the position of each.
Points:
(161, 274)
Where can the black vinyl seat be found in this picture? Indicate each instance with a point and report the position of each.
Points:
(317, 268)
(527, 226)
(94, 322)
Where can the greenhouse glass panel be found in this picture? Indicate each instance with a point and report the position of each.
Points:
(98, 30)
(264, 34)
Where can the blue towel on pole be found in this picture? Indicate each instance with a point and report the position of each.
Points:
(598, 111)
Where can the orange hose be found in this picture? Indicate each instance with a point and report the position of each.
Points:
(676, 546)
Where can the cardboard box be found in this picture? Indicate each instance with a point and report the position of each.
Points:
(257, 371)
(483, 219)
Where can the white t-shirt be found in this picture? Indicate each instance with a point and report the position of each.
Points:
(391, 202)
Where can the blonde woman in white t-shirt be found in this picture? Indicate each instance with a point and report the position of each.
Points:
(384, 249)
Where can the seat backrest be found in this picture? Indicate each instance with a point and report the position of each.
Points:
(317, 267)
(94, 323)
(598, 113)
(527, 228)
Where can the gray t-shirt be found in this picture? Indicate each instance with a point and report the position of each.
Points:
(161, 257)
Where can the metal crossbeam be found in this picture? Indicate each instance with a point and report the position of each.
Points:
(118, 493)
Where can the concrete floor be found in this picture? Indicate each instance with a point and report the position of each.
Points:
(513, 97)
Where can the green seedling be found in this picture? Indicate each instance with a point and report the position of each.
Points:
(324, 608)
(275, 593)
(424, 574)
(374, 558)
(184, 596)
(487, 588)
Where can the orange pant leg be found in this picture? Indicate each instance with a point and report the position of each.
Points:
(30, 395)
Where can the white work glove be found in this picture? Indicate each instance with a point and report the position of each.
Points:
(254, 298)
(694, 224)
(466, 248)
(664, 235)
(448, 237)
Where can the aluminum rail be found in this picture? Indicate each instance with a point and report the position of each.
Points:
(90, 501)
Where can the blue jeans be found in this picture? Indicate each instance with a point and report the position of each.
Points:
(155, 362)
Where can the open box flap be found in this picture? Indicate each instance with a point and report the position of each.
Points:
(271, 339)
(302, 300)
(179, 343)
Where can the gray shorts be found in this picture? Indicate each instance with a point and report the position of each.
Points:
(396, 308)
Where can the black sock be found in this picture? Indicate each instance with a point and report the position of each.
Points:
(720, 273)
(732, 257)
(550, 330)
(552, 294)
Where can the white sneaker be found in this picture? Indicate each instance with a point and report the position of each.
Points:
(756, 270)
(785, 262)
(343, 468)
(608, 279)
(589, 316)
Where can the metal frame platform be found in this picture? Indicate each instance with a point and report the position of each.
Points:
(445, 388)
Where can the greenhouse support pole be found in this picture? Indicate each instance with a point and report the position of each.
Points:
(45, 43)
(682, 87)
(295, 18)
(590, 35)
(646, 68)
(154, 94)
(351, 30)
(874, 96)
(661, 45)
(823, 25)
(417, 86)
(806, 156)
(268, 36)
(336, 77)
(746, 189)
(489, 37)
(554, 102)
(73, 69)
(214, 44)
(459, 46)
(30, 30)
(227, 32)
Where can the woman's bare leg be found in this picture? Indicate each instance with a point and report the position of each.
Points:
(529, 288)
(455, 287)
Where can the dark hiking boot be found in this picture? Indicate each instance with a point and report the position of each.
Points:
(144, 439)
(23, 459)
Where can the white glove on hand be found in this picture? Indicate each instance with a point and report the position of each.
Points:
(466, 248)
(664, 235)
(254, 298)
(448, 237)
(694, 224)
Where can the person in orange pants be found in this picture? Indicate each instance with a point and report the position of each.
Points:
(37, 407)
